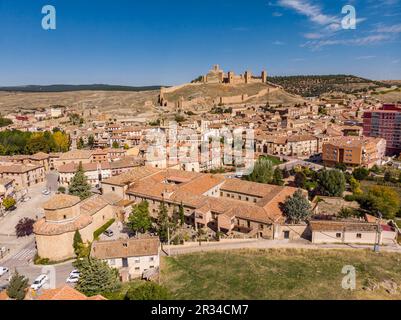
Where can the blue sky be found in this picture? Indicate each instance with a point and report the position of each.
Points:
(172, 41)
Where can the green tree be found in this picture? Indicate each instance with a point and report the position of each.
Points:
(79, 185)
(355, 186)
(80, 143)
(381, 199)
(148, 291)
(387, 176)
(262, 171)
(96, 277)
(163, 222)
(297, 207)
(331, 183)
(91, 141)
(8, 203)
(77, 242)
(360, 173)
(181, 214)
(346, 213)
(17, 287)
(115, 145)
(139, 220)
(341, 166)
(278, 177)
(300, 180)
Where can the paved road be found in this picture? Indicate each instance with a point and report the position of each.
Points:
(31, 209)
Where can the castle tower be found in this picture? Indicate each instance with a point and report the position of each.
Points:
(248, 76)
(264, 76)
(230, 77)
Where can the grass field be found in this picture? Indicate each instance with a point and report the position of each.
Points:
(274, 160)
(281, 274)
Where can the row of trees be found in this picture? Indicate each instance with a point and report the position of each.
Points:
(18, 142)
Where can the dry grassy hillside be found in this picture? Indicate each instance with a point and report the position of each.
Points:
(210, 92)
(117, 102)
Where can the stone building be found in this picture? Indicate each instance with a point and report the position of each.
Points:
(63, 216)
(132, 257)
(209, 201)
(216, 75)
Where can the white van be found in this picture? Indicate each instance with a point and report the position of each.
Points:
(39, 282)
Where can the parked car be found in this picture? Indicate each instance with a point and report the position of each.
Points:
(3, 270)
(46, 192)
(39, 282)
(73, 276)
(109, 233)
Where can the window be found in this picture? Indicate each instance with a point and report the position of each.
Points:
(137, 260)
(112, 262)
(151, 259)
(338, 235)
(286, 234)
(137, 268)
(113, 189)
(359, 235)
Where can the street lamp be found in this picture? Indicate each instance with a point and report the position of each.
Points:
(377, 245)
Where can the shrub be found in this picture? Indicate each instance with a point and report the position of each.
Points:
(24, 227)
(148, 291)
(102, 229)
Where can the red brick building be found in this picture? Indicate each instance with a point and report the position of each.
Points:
(385, 123)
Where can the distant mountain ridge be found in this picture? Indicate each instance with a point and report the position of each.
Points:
(83, 87)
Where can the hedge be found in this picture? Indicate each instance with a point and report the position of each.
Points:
(102, 229)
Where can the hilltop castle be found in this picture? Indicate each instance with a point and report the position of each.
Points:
(216, 75)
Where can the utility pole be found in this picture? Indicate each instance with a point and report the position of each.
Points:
(168, 239)
(377, 245)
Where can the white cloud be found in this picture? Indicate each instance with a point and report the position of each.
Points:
(277, 14)
(313, 12)
(363, 41)
(396, 28)
(365, 57)
(313, 35)
(278, 43)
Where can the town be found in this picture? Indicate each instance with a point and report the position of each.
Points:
(85, 192)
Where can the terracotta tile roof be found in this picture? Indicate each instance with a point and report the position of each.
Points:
(92, 205)
(18, 168)
(76, 154)
(46, 228)
(4, 295)
(131, 176)
(60, 201)
(40, 156)
(66, 293)
(72, 167)
(247, 187)
(320, 225)
(125, 248)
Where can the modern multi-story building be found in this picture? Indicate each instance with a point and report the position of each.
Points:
(354, 151)
(385, 123)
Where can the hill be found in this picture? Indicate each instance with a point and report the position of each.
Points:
(85, 87)
(316, 85)
(127, 103)
(207, 95)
